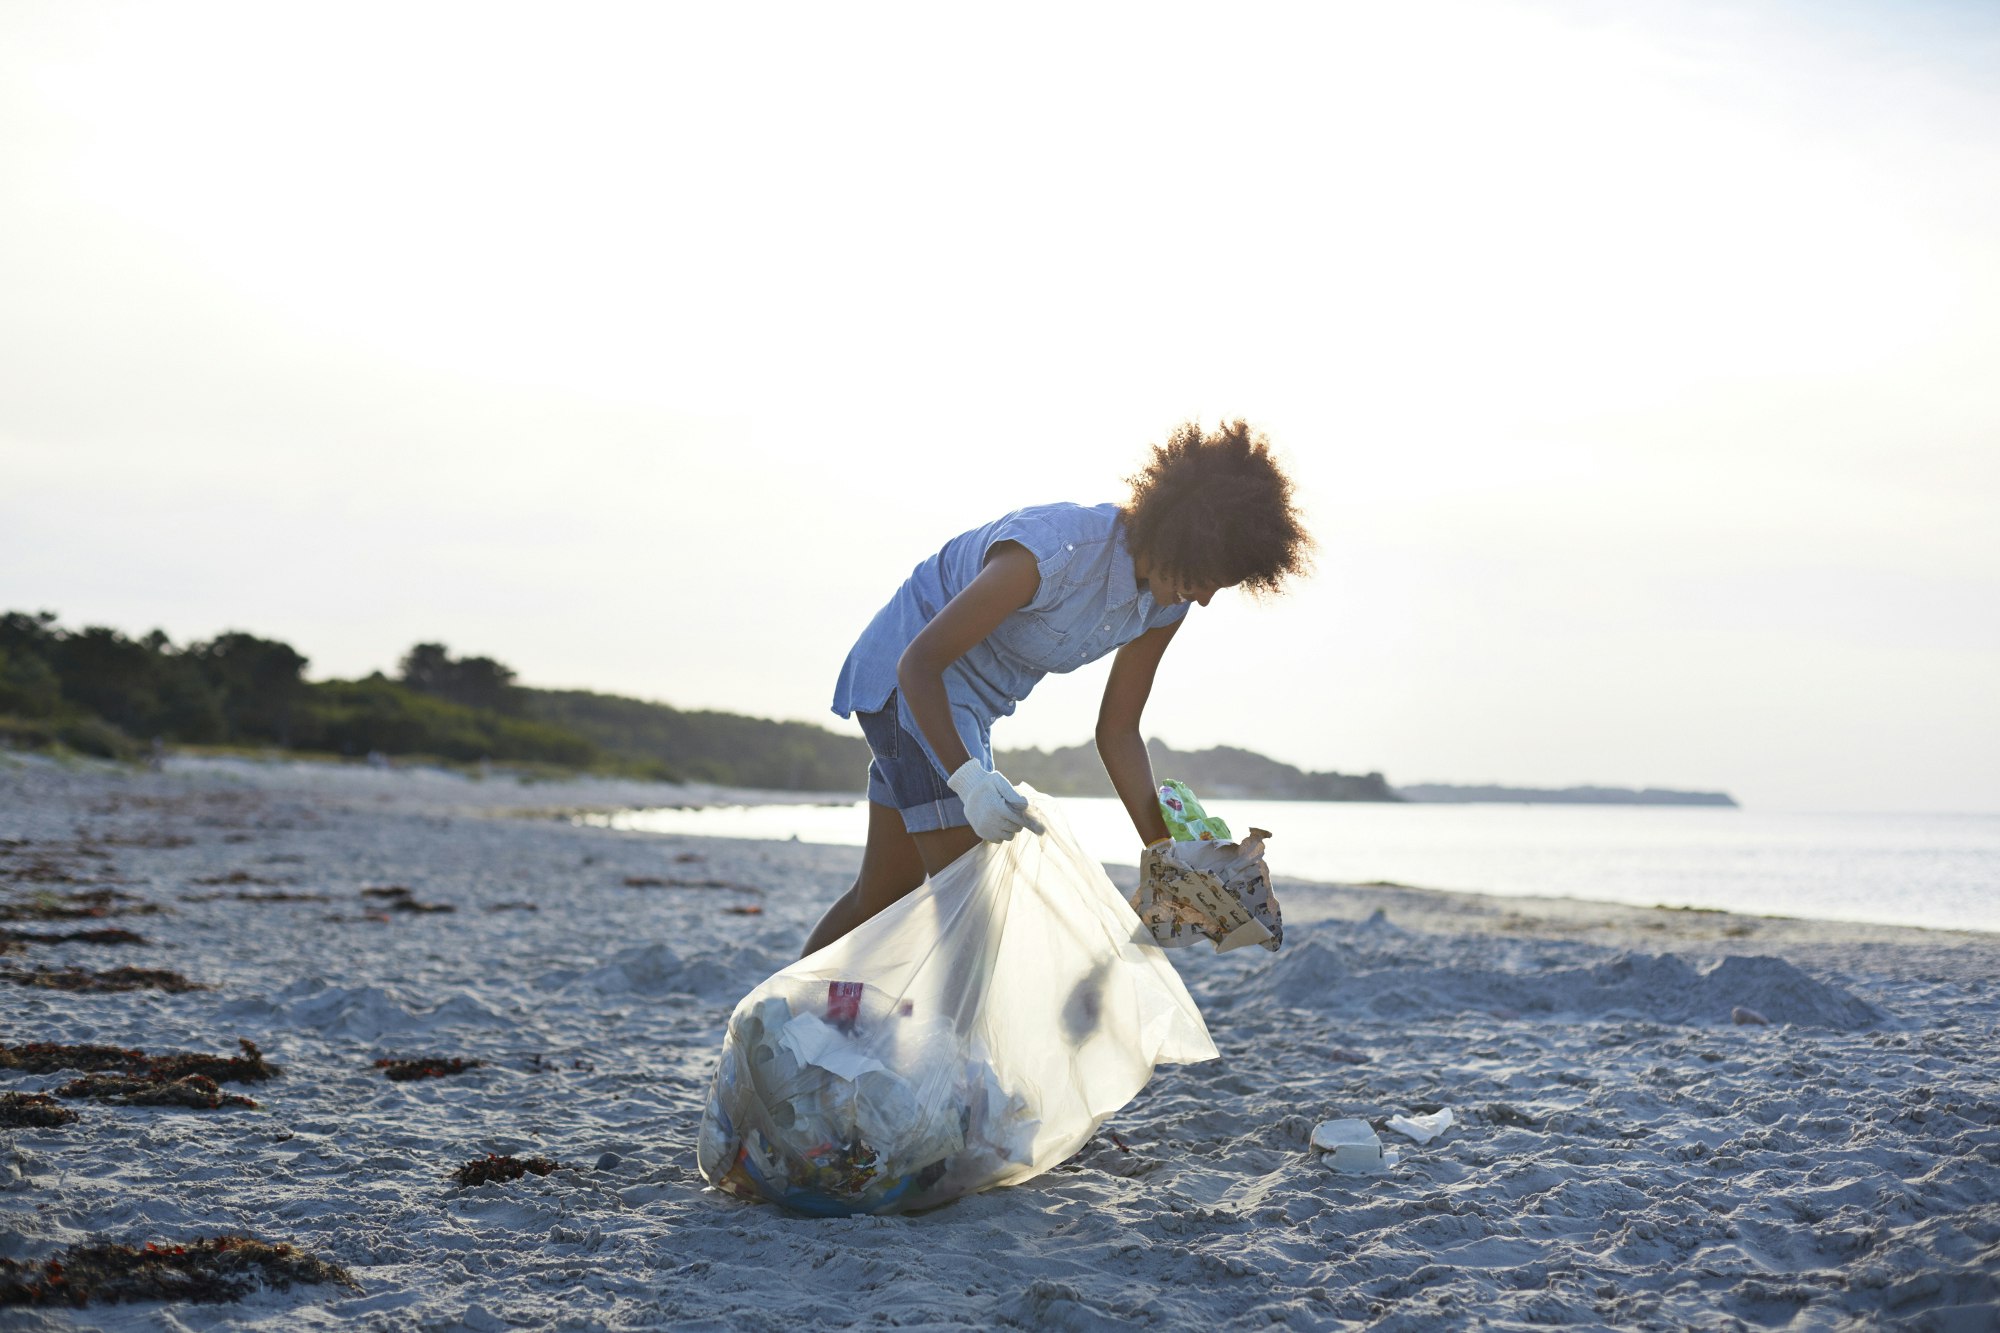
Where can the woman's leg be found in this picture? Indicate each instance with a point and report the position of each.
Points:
(943, 846)
(891, 867)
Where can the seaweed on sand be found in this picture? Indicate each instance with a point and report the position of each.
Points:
(396, 898)
(237, 877)
(430, 1066)
(243, 896)
(46, 1057)
(193, 1091)
(117, 979)
(42, 870)
(101, 935)
(210, 1268)
(32, 1110)
(493, 1168)
(76, 907)
(43, 1057)
(412, 905)
(675, 882)
(155, 839)
(249, 1067)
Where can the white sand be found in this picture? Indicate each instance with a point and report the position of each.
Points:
(1624, 1153)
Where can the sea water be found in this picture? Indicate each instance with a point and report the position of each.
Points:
(1937, 870)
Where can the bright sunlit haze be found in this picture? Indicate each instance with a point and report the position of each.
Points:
(1637, 366)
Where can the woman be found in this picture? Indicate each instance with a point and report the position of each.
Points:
(1046, 588)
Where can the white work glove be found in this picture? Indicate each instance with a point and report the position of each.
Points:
(994, 809)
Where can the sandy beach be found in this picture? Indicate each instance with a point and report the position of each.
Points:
(1628, 1149)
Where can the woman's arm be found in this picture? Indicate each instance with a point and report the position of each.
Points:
(1006, 583)
(1119, 744)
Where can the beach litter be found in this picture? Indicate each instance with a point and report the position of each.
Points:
(496, 1169)
(208, 1269)
(1351, 1145)
(974, 1034)
(1202, 886)
(32, 1110)
(1421, 1128)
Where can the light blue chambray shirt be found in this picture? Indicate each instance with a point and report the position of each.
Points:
(1089, 604)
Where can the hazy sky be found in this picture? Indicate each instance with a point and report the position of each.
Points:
(1639, 364)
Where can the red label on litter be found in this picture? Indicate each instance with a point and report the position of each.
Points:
(843, 1003)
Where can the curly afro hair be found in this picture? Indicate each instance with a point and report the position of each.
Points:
(1216, 509)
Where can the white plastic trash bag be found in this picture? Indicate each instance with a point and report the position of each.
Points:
(974, 1034)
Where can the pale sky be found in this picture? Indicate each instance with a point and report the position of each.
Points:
(1639, 363)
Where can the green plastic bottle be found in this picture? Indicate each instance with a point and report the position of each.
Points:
(1186, 820)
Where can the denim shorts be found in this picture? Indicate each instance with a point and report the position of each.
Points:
(903, 776)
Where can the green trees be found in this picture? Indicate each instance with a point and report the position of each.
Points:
(474, 682)
(96, 690)
(357, 717)
(724, 748)
(259, 683)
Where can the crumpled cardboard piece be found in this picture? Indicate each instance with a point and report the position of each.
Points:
(1215, 891)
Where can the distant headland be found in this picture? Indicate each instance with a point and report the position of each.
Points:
(1448, 793)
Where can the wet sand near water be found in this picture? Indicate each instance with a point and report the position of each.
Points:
(1631, 1147)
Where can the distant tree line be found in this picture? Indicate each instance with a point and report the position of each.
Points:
(99, 692)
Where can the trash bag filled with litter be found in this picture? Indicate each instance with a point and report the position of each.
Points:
(973, 1034)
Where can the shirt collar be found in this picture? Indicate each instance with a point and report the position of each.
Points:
(1124, 572)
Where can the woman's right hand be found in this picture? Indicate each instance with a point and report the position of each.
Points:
(993, 807)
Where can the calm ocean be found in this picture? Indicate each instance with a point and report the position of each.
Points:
(1901, 869)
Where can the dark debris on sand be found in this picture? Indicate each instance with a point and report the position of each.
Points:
(396, 898)
(431, 1066)
(495, 1169)
(88, 906)
(100, 935)
(46, 1057)
(210, 1268)
(249, 1067)
(194, 1092)
(117, 979)
(32, 1110)
(672, 882)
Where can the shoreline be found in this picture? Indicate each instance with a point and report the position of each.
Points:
(361, 784)
(1627, 1150)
